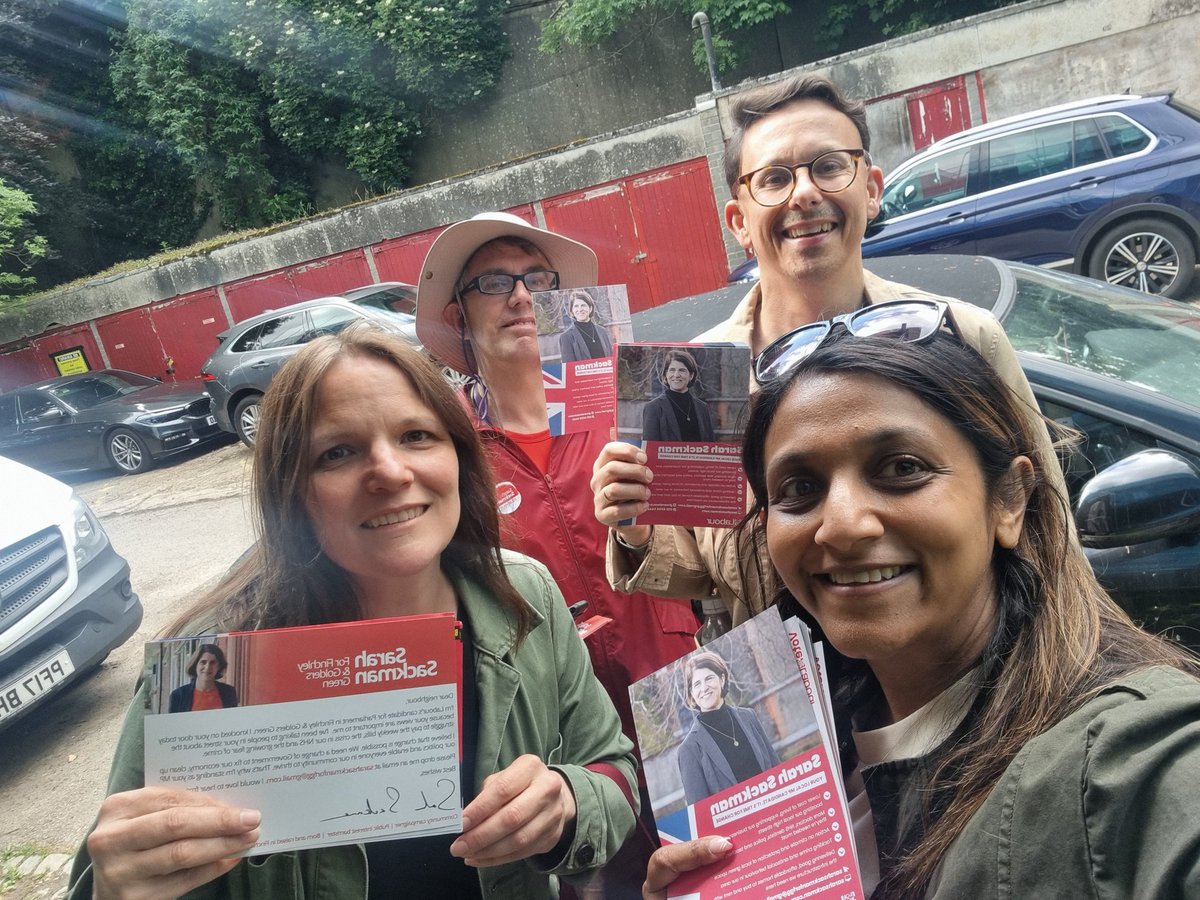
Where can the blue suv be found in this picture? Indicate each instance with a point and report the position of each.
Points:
(1109, 187)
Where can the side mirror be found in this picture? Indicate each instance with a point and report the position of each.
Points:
(1150, 495)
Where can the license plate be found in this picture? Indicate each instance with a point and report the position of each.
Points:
(211, 420)
(34, 682)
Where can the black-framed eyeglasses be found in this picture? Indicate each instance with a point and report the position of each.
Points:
(908, 321)
(830, 172)
(501, 283)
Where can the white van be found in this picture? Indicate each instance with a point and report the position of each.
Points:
(65, 596)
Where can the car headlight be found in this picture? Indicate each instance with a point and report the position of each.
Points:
(90, 537)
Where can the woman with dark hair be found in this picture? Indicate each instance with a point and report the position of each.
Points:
(586, 337)
(677, 414)
(374, 499)
(206, 690)
(1007, 729)
(726, 744)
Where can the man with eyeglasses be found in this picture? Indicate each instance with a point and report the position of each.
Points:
(803, 189)
(475, 314)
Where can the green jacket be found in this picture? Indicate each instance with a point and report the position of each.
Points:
(541, 699)
(1103, 805)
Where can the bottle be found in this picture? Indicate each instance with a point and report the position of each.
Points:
(717, 620)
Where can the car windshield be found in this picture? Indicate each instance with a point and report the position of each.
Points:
(397, 302)
(84, 393)
(1123, 334)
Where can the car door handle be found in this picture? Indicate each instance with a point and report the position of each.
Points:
(953, 217)
(1089, 181)
(261, 364)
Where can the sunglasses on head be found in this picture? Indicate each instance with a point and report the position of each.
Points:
(908, 321)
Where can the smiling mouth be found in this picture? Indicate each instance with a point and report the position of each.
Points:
(803, 231)
(396, 518)
(865, 576)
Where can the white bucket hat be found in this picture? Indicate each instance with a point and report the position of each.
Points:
(575, 263)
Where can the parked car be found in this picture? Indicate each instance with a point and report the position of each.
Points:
(1120, 367)
(66, 600)
(252, 351)
(1109, 187)
(102, 418)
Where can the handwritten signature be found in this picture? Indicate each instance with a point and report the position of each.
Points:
(370, 808)
(444, 784)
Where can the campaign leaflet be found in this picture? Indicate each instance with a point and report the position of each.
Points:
(684, 404)
(577, 330)
(732, 746)
(339, 734)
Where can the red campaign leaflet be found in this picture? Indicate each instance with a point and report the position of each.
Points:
(732, 745)
(685, 403)
(339, 734)
(577, 330)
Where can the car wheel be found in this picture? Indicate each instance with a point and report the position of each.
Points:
(1148, 255)
(128, 452)
(245, 418)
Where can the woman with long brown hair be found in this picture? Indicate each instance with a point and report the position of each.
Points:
(1007, 730)
(374, 499)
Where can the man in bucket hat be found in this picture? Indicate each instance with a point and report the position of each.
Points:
(475, 314)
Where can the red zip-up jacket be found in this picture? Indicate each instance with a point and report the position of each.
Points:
(551, 517)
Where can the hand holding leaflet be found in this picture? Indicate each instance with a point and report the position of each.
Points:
(346, 732)
(754, 741)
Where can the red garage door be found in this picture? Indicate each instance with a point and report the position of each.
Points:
(657, 232)
(23, 366)
(132, 343)
(187, 327)
(937, 111)
(331, 275)
(66, 339)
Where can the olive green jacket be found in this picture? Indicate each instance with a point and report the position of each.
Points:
(541, 698)
(1106, 804)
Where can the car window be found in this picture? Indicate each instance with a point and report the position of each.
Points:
(248, 341)
(939, 179)
(330, 320)
(1151, 344)
(282, 332)
(393, 300)
(1122, 136)
(1030, 154)
(36, 406)
(1089, 146)
(1104, 443)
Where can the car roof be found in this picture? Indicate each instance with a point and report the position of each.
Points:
(1047, 114)
(67, 379)
(268, 314)
(356, 292)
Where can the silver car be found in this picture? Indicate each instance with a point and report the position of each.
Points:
(251, 352)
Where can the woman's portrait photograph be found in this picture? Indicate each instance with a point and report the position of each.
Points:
(581, 323)
(722, 715)
(192, 675)
(678, 393)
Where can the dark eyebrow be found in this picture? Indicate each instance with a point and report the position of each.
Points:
(881, 437)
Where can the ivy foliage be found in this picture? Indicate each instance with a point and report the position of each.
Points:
(838, 27)
(248, 92)
(20, 245)
(127, 195)
(587, 23)
(843, 23)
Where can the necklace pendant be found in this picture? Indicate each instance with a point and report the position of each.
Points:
(736, 744)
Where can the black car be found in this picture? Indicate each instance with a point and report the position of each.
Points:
(1120, 367)
(107, 417)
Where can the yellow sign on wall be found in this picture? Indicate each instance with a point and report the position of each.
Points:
(70, 362)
